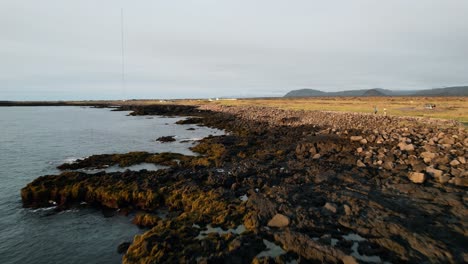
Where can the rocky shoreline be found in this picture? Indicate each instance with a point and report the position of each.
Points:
(324, 186)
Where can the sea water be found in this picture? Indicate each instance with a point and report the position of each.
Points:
(34, 140)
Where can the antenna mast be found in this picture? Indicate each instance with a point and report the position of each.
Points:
(123, 54)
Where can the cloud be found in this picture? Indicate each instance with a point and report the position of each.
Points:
(208, 48)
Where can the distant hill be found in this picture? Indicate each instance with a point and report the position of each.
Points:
(374, 92)
(305, 92)
(448, 91)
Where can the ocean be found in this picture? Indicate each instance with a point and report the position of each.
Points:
(34, 140)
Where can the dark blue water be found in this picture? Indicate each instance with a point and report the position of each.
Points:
(33, 141)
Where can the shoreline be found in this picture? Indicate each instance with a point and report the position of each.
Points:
(448, 108)
(310, 179)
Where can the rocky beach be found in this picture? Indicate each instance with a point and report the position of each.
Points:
(284, 186)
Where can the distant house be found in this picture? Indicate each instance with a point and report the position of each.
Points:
(429, 106)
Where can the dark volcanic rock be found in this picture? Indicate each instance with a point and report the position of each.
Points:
(166, 139)
(122, 248)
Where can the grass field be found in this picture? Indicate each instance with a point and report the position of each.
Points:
(455, 108)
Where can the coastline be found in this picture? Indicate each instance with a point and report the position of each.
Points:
(310, 180)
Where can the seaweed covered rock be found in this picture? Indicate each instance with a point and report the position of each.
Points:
(146, 220)
(113, 190)
(125, 160)
(105, 160)
(180, 242)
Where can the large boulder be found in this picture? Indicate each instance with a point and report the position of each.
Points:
(279, 220)
(356, 138)
(417, 177)
(406, 147)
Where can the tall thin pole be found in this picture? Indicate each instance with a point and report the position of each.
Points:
(123, 53)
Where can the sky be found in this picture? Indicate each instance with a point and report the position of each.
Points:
(64, 49)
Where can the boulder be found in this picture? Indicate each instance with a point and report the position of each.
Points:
(388, 165)
(461, 181)
(462, 160)
(347, 209)
(441, 160)
(349, 260)
(379, 140)
(427, 156)
(356, 138)
(406, 147)
(454, 163)
(330, 207)
(279, 220)
(417, 177)
(456, 172)
(166, 139)
(447, 141)
(434, 172)
(360, 164)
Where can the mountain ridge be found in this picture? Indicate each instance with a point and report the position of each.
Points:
(447, 91)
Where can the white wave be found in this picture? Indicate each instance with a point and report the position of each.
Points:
(43, 209)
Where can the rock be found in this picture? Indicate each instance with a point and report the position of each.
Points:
(360, 164)
(447, 141)
(359, 150)
(251, 221)
(309, 249)
(444, 178)
(279, 220)
(313, 151)
(462, 160)
(435, 173)
(388, 165)
(454, 163)
(331, 207)
(379, 140)
(427, 156)
(122, 248)
(417, 177)
(441, 160)
(461, 181)
(356, 138)
(363, 141)
(166, 139)
(146, 220)
(418, 167)
(406, 147)
(347, 209)
(456, 172)
(316, 156)
(349, 260)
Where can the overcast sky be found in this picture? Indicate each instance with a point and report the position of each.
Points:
(63, 49)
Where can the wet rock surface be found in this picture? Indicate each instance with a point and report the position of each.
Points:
(166, 139)
(326, 187)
